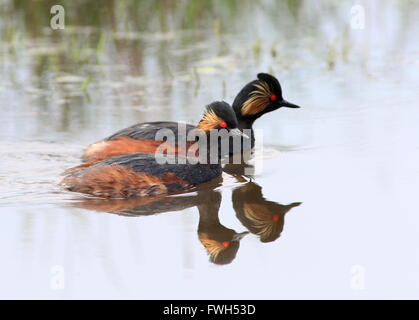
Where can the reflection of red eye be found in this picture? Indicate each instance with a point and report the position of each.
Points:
(226, 244)
(273, 97)
(223, 125)
(275, 218)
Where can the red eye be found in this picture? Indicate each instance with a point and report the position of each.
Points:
(273, 97)
(275, 218)
(226, 244)
(223, 125)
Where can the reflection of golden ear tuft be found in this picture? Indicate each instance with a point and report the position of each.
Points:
(258, 99)
(261, 219)
(213, 247)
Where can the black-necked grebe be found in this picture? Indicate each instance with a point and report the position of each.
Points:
(142, 174)
(258, 97)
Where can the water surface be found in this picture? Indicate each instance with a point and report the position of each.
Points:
(342, 171)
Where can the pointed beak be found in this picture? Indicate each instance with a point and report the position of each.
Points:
(285, 103)
(239, 236)
(237, 133)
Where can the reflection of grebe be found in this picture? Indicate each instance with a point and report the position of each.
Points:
(147, 206)
(141, 174)
(260, 216)
(220, 242)
(254, 100)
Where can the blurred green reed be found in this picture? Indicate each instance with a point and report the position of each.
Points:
(185, 37)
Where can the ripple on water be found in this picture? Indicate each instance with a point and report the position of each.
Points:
(31, 169)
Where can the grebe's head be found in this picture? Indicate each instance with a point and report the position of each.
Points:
(219, 115)
(259, 97)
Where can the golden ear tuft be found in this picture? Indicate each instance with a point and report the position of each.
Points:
(209, 121)
(258, 100)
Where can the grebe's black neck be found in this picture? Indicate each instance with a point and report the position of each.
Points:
(245, 123)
